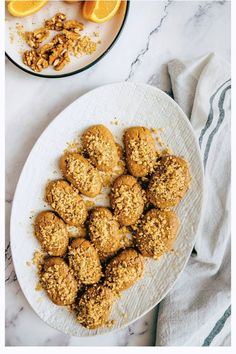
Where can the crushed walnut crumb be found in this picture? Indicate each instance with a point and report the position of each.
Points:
(142, 153)
(74, 146)
(98, 149)
(38, 258)
(90, 204)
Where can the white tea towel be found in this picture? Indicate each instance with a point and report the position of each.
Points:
(196, 309)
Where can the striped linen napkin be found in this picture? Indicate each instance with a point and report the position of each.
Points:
(197, 310)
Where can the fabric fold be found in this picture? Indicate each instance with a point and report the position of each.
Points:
(201, 296)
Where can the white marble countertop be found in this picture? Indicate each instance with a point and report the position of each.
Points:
(156, 32)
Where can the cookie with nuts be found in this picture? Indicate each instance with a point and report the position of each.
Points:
(59, 282)
(140, 151)
(52, 233)
(157, 233)
(169, 183)
(79, 171)
(104, 232)
(67, 202)
(99, 144)
(84, 261)
(95, 306)
(127, 200)
(124, 270)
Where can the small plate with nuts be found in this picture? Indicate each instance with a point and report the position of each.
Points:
(57, 41)
(107, 208)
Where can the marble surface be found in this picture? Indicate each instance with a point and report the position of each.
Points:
(156, 32)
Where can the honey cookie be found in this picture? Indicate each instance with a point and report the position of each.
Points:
(127, 200)
(169, 183)
(140, 151)
(95, 306)
(104, 232)
(52, 233)
(58, 282)
(66, 202)
(98, 143)
(84, 261)
(81, 174)
(124, 270)
(157, 233)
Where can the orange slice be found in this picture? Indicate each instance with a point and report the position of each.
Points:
(101, 10)
(25, 8)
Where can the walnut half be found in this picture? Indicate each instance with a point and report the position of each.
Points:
(32, 59)
(33, 39)
(56, 22)
(60, 62)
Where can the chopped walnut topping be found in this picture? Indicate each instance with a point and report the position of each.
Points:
(99, 145)
(38, 258)
(126, 200)
(142, 153)
(81, 174)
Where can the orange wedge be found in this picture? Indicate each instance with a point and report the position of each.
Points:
(101, 10)
(25, 8)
